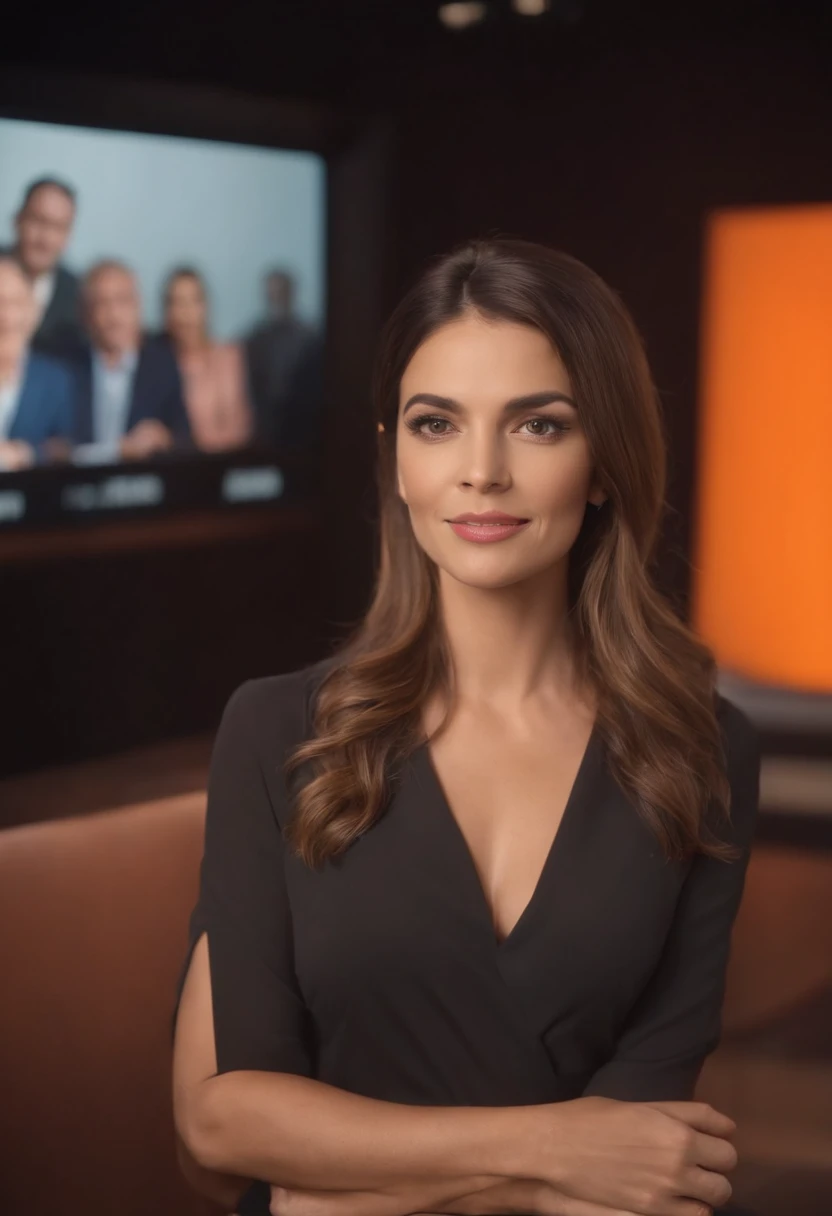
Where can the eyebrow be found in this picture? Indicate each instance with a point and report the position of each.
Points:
(516, 405)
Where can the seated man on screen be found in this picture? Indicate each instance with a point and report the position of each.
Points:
(130, 404)
(284, 356)
(43, 227)
(36, 392)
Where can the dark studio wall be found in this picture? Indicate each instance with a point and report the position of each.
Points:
(608, 141)
(618, 158)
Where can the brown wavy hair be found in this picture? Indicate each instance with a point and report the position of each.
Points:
(653, 680)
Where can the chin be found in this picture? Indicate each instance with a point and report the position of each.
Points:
(490, 572)
(498, 582)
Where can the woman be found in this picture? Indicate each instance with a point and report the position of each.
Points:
(213, 373)
(468, 954)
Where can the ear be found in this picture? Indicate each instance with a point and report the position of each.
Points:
(400, 483)
(596, 495)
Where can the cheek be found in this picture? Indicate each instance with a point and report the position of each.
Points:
(560, 489)
(423, 481)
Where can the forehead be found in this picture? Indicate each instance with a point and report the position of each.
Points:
(473, 358)
(50, 200)
(112, 281)
(186, 283)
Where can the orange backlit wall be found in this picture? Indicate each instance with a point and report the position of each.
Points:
(762, 592)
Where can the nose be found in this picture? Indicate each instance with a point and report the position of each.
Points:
(483, 461)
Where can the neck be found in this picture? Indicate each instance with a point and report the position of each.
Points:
(190, 344)
(111, 355)
(510, 644)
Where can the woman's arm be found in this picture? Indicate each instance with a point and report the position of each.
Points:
(387, 1159)
(195, 1058)
(223, 1190)
(497, 1199)
(676, 1022)
(300, 1133)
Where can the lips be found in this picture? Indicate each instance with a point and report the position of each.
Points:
(490, 526)
(488, 517)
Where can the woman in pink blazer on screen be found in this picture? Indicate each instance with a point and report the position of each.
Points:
(213, 373)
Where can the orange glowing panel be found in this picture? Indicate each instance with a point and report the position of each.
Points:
(762, 593)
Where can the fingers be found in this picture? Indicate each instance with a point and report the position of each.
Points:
(689, 1207)
(710, 1188)
(698, 1115)
(709, 1149)
(711, 1153)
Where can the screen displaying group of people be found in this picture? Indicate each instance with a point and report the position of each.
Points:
(81, 380)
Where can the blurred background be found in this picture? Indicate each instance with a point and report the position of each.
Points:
(683, 152)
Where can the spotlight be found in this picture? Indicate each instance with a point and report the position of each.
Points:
(462, 14)
(531, 8)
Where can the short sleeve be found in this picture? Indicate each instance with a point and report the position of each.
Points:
(260, 1020)
(676, 1022)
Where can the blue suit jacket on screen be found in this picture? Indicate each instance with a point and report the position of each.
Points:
(156, 393)
(45, 407)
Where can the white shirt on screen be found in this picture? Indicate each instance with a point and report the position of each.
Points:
(112, 388)
(9, 396)
(43, 289)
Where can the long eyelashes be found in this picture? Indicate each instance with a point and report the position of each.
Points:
(417, 425)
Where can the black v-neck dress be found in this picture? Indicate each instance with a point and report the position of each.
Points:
(381, 974)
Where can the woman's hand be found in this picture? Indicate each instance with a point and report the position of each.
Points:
(650, 1158)
(146, 439)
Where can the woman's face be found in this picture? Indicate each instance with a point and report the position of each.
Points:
(487, 424)
(186, 314)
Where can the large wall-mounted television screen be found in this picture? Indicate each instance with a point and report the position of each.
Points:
(162, 320)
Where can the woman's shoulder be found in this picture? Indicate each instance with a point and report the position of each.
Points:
(273, 708)
(742, 745)
(740, 735)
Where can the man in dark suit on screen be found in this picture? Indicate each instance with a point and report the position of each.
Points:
(36, 392)
(284, 357)
(43, 227)
(130, 404)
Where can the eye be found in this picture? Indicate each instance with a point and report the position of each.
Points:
(429, 426)
(545, 428)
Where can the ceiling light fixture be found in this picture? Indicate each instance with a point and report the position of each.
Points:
(531, 8)
(462, 14)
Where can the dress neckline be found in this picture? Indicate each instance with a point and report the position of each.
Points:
(424, 762)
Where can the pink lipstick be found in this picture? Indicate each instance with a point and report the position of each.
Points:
(487, 526)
